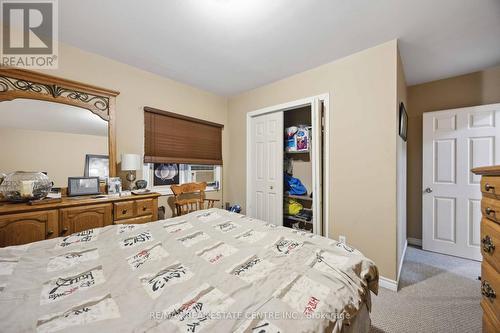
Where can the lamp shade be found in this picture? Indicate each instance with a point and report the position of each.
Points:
(131, 162)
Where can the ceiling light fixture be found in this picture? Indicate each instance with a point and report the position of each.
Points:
(235, 9)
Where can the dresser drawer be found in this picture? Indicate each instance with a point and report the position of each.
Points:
(124, 210)
(490, 242)
(490, 186)
(491, 209)
(144, 207)
(490, 288)
(136, 220)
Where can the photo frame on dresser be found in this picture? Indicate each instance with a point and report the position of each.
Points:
(97, 166)
(83, 186)
(114, 185)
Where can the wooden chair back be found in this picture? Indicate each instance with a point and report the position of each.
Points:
(190, 197)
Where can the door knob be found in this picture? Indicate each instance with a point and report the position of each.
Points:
(270, 187)
(428, 190)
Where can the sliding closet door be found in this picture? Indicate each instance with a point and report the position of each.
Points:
(265, 167)
(317, 165)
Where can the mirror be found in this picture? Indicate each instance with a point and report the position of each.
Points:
(57, 139)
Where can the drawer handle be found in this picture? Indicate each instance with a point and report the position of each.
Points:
(487, 291)
(489, 212)
(50, 233)
(124, 211)
(488, 187)
(488, 245)
(65, 230)
(144, 209)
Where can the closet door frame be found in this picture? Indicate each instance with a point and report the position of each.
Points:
(314, 102)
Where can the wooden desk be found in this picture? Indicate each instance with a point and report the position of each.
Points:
(21, 223)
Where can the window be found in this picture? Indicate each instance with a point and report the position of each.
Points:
(175, 138)
(180, 149)
(187, 173)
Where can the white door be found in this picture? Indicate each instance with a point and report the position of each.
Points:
(455, 141)
(266, 167)
(317, 161)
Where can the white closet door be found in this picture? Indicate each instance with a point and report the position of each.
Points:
(455, 141)
(317, 161)
(266, 174)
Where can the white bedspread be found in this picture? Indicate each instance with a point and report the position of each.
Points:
(212, 271)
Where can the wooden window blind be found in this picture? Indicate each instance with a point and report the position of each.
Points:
(174, 138)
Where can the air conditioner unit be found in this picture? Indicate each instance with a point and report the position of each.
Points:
(203, 173)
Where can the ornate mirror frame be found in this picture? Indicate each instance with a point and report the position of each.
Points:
(20, 83)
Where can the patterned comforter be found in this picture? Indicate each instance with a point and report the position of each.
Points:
(212, 271)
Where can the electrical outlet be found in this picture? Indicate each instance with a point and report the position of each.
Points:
(342, 239)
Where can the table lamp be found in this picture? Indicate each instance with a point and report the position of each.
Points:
(130, 163)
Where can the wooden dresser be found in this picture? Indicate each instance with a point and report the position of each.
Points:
(490, 247)
(23, 223)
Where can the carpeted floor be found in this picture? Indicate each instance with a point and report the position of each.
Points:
(437, 293)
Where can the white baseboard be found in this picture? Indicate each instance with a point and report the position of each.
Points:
(392, 285)
(414, 241)
(388, 284)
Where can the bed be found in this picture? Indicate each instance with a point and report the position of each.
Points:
(211, 270)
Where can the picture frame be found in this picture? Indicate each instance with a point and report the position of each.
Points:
(83, 186)
(403, 122)
(114, 185)
(96, 166)
(166, 174)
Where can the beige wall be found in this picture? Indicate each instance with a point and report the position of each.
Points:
(467, 90)
(61, 155)
(401, 168)
(137, 89)
(362, 186)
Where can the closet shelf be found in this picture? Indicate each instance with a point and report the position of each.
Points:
(297, 152)
(299, 197)
(295, 218)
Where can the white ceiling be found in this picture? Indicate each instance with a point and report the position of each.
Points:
(229, 46)
(37, 115)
